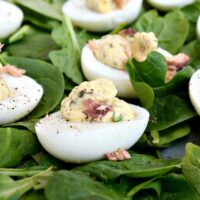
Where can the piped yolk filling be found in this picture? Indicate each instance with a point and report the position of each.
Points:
(13, 71)
(96, 101)
(115, 50)
(105, 6)
(4, 91)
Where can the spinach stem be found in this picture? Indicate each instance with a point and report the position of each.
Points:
(72, 33)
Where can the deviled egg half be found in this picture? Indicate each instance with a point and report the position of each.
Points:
(11, 18)
(92, 123)
(101, 15)
(194, 90)
(166, 5)
(107, 57)
(19, 94)
(198, 27)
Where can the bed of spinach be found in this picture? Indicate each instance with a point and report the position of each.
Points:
(49, 48)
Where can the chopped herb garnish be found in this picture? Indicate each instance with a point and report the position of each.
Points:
(117, 118)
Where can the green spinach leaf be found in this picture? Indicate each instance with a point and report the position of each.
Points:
(42, 7)
(172, 186)
(68, 58)
(143, 91)
(138, 166)
(10, 189)
(168, 111)
(35, 44)
(192, 49)
(28, 124)
(150, 184)
(171, 30)
(165, 137)
(148, 78)
(178, 83)
(16, 144)
(47, 75)
(152, 70)
(78, 186)
(191, 12)
(191, 165)
(34, 195)
(175, 186)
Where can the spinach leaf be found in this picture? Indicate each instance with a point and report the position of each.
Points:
(62, 36)
(175, 186)
(42, 7)
(165, 137)
(178, 83)
(48, 76)
(123, 184)
(192, 12)
(167, 111)
(10, 189)
(22, 172)
(192, 49)
(44, 159)
(148, 78)
(35, 44)
(152, 70)
(171, 30)
(150, 184)
(21, 33)
(78, 186)
(172, 186)
(191, 165)
(40, 20)
(138, 166)
(27, 162)
(28, 124)
(16, 144)
(68, 58)
(34, 195)
(143, 91)
(67, 63)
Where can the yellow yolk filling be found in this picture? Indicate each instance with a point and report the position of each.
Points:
(100, 91)
(4, 91)
(115, 50)
(105, 6)
(102, 6)
(142, 44)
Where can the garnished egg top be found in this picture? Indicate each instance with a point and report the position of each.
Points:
(166, 5)
(95, 101)
(198, 27)
(19, 94)
(104, 6)
(92, 123)
(11, 18)
(107, 57)
(101, 15)
(194, 90)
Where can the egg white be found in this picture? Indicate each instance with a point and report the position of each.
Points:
(90, 20)
(11, 18)
(194, 90)
(166, 5)
(93, 69)
(80, 142)
(198, 27)
(25, 95)
(164, 52)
